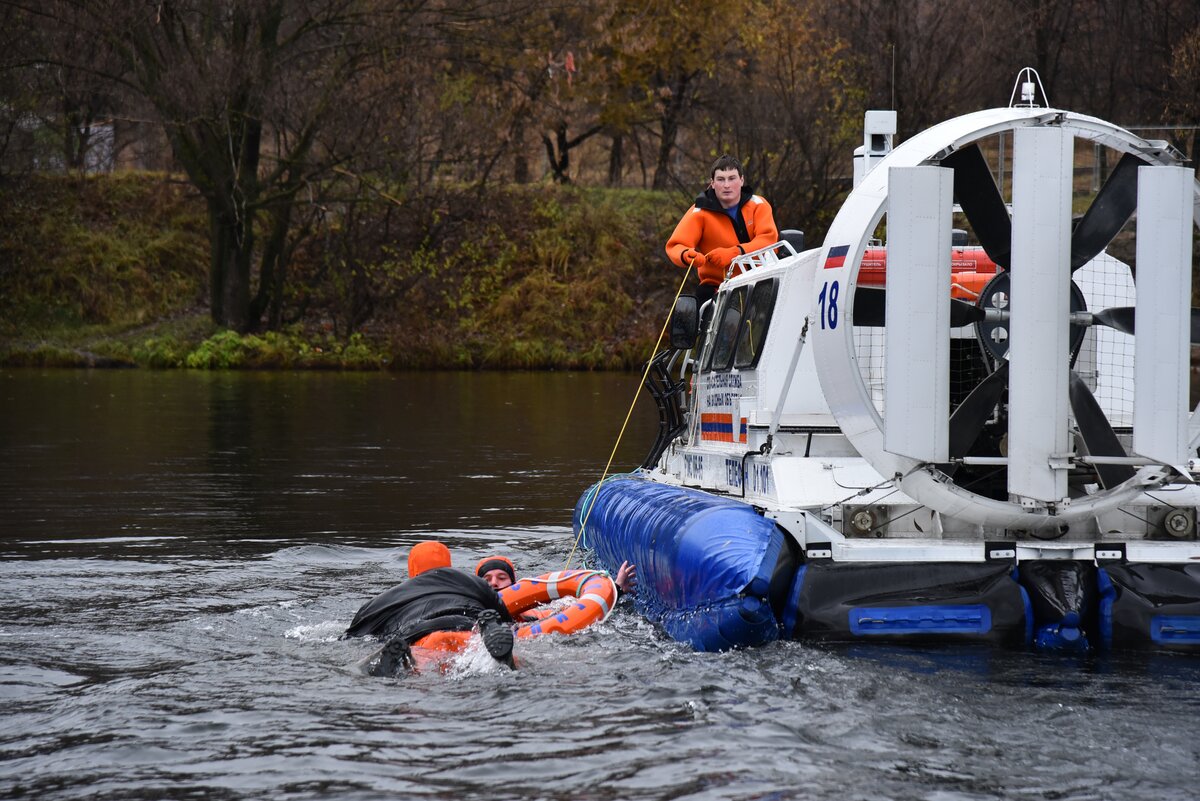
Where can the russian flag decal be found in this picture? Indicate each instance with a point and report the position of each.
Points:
(836, 257)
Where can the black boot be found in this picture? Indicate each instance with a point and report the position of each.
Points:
(394, 658)
(497, 636)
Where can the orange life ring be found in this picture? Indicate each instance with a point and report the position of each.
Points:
(595, 595)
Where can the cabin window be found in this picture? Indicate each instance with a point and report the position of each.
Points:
(755, 323)
(729, 321)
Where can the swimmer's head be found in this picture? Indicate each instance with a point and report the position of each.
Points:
(498, 571)
(427, 556)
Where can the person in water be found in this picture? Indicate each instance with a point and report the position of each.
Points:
(435, 598)
(499, 572)
(727, 220)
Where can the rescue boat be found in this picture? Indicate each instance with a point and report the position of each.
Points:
(976, 430)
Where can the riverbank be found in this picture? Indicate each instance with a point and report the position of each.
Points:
(112, 270)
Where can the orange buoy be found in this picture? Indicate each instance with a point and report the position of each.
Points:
(595, 595)
(970, 269)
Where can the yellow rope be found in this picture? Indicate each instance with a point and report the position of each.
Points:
(629, 414)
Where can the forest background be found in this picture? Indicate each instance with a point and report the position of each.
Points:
(461, 183)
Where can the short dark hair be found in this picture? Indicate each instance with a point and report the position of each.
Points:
(725, 162)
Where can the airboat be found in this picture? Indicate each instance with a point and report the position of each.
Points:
(959, 419)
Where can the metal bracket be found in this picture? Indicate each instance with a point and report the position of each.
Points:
(819, 552)
(1000, 552)
(1110, 553)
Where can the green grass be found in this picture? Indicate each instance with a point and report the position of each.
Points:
(113, 270)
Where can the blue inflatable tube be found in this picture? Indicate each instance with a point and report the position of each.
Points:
(1151, 606)
(705, 563)
(909, 602)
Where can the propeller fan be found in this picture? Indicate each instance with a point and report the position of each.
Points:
(977, 195)
(1006, 402)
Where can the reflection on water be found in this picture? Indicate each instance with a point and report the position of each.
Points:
(227, 458)
(179, 553)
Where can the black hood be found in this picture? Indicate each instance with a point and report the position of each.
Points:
(707, 199)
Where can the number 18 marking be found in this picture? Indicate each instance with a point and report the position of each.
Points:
(829, 308)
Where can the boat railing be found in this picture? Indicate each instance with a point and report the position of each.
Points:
(769, 256)
(668, 397)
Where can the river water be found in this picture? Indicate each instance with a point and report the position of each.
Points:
(179, 552)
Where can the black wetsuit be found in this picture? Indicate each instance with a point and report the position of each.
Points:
(443, 599)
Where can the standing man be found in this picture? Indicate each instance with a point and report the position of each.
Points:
(726, 221)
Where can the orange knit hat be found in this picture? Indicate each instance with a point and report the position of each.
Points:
(426, 556)
(489, 563)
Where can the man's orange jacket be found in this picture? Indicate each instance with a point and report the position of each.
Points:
(706, 225)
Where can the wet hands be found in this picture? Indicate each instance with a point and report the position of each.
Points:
(626, 579)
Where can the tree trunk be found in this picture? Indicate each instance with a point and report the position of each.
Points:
(231, 188)
(273, 270)
(671, 114)
(662, 168)
(232, 240)
(520, 158)
(616, 160)
(77, 132)
(560, 162)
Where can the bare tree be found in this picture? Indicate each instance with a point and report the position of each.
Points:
(243, 91)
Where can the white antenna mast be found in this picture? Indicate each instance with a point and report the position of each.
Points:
(1029, 90)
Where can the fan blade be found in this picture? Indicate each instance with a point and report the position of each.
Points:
(1111, 209)
(963, 313)
(976, 192)
(870, 304)
(968, 419)
(1097, 434)
(1121, 318)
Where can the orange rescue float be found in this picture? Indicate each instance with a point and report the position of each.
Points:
(970, 269)
(595, 595)
(447, 641)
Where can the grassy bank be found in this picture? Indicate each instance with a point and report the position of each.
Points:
(112, 270)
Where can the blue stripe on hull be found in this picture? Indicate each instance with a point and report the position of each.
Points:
(1175, 629)
(953, 619)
